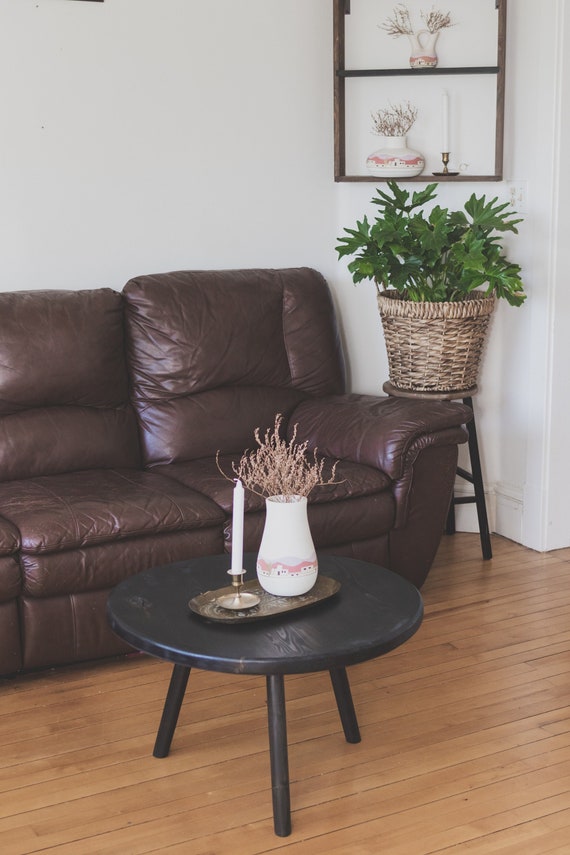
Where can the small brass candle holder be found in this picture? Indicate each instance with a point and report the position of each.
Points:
(445, 161)
(238, 599)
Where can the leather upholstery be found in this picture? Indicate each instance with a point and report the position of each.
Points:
(114, 406)
(210, 361)
(64, 399)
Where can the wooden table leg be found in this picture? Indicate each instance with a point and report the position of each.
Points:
(172, 704)
(278, 756)
(344, 702)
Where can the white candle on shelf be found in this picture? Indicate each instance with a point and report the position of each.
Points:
(237, 528)
(445, 121)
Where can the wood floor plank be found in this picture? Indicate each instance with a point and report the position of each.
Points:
(465, 748)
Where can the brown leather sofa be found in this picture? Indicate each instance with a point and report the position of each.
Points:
(112, 409)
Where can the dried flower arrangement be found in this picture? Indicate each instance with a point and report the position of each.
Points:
(400, 24)
(394, 121)
(279, 468)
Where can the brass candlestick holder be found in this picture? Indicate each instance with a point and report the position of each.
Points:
(445, 161)
(238, 599)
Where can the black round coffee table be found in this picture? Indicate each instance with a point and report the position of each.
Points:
(373, 612)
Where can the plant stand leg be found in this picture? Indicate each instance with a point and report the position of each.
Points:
(474, 477)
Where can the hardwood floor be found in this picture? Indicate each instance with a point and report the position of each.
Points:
(465, 739)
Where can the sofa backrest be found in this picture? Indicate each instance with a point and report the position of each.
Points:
(64, 403)
(215, 354)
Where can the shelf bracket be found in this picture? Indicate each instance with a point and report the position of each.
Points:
(347, 7)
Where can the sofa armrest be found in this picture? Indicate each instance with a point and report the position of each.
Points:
(415, 442)
(384, 432)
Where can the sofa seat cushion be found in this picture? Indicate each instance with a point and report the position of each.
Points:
(75, 571)
(360, 506)
(354, 480)
(80, 509)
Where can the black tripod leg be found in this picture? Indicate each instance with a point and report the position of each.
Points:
(278, 754)
(344, 702)
(172, 704)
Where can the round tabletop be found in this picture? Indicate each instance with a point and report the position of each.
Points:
(374, 612)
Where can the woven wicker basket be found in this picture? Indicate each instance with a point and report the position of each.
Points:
(434, 347)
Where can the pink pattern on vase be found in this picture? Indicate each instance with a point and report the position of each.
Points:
(394, 159)
(287, 566)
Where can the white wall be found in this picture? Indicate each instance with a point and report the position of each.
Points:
(147, 135)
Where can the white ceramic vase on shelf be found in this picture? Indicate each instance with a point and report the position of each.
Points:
(393, 159)
(422, 49)
(287, 562)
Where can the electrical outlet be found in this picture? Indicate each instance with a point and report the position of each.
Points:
(517, 196)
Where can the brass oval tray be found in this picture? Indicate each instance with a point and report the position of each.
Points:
(206, 605)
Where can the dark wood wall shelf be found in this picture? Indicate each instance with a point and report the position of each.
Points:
(425, 178)
(415, 72)
(342, 74)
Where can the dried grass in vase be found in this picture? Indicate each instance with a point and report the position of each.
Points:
(280, 468)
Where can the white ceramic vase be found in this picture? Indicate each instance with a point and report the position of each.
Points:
(287, 562)
(422, 49)
(394, 159)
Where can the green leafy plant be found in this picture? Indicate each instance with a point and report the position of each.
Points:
(437, 257)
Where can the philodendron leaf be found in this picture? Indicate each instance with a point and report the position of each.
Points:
(491, 216)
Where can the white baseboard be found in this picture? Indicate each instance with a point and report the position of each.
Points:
(509, 506)
(504, 511)
(466, 515)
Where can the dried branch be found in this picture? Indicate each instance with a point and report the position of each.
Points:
(436, 20)
(395, 121)
(280, 468)
(400, 24)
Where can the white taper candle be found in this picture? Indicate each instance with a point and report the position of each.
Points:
(445, 121)
(237, 528)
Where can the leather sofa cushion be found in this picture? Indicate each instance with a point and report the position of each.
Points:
(226, 348)
(102, 566)
(52, 440)
(64, 395)
(61, 346)
(354, 480)
(360, 507)
(198, 425)
(195, 330)
(80, 509)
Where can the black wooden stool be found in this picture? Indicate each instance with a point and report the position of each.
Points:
(474, 477)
